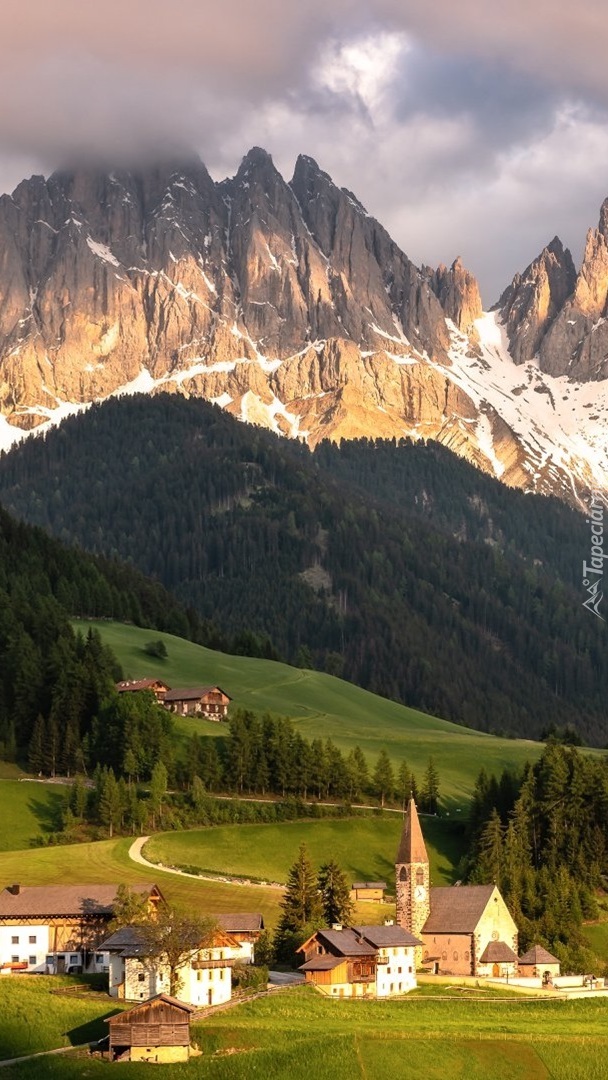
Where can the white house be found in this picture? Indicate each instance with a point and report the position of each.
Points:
(361, 961)
(205, 976)
(56, 928)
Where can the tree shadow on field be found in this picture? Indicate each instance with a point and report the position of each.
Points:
(48, 811)
(92, 1031)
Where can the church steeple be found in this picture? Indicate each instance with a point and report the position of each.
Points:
(412, 875)
(412, 848)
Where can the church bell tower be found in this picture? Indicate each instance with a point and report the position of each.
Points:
(412, 875)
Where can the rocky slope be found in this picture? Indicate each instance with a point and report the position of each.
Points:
(288, 305)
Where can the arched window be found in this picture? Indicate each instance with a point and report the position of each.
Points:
(420, 876)
(455, 955)
(403, 874)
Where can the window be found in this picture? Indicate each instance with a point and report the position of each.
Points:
(32, 961)
(141, 977)
(74, 958)
(444, 956)
(455, 955)
(222, 973)
(14, 959)
(32, 939)
(15, 940)
(199, 976)
(403, 874)
(420, 876)
(99, 958)
(399, 971)
(49, 958)
(466, 956)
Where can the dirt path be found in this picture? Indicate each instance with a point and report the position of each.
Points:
(135, 853)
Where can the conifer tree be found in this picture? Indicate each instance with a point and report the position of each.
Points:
(335, 894)
(384, 778)
(301, 911)
(430, 788)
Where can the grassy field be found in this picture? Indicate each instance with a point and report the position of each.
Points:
(108, 860)
(27, 809)
(363, 846)
(322, 706)
(34, 1019)
(297, 1034)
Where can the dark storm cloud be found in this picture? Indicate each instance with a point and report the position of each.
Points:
(504, 105)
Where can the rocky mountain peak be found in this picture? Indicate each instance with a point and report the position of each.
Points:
(458, 293)
(533, 300)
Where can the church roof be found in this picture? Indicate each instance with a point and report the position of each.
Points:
(498, 952)
(411, 846)
(538, 955)
(457, 909)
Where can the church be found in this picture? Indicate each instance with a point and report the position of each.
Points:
(464, 929)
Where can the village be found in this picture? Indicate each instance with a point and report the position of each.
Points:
(461, 934)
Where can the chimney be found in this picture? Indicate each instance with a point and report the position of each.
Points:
(14, 889)
(336, 926)
(389, 922)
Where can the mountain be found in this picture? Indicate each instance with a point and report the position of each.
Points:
(396, 566)
(292, 308)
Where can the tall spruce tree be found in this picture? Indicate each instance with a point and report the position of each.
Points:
(335, 894)
(301, 910)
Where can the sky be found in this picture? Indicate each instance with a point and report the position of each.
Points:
(477, 129)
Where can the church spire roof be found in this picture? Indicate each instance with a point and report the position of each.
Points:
(412, 847)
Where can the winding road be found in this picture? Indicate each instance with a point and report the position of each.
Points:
(135, 854)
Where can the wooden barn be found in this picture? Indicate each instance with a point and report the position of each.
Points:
(157, 1030)
(368, 890)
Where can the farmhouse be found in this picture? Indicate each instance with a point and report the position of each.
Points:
(156, 686)
(465, 929)
(208, 701)
(157, 1030)
(368, 890)
(359, 961)
(205, 976)
(246, 927)
(57, 928)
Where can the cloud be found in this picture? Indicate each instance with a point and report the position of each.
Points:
(466, 129)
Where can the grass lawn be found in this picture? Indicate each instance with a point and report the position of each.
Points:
(363, 846)
(27, 809)
(298, 1034)
(323, 706)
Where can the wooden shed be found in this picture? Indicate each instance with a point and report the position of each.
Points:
(368, 890)
(157, 1030)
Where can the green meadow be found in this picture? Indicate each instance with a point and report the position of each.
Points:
(323, 706)
(364, 847)
(28, 809)
(296, 1033)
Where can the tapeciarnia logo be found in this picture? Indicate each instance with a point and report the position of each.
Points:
(593, 571)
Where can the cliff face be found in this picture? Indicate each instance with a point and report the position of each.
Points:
(285, 303)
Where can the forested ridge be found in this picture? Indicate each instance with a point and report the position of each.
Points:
(399, 567)
(52, 681)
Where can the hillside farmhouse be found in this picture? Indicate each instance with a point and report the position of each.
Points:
(208, 701)
(156, 686)
(157, 1030)
(377, 961)
(57, 928)
(205, 977)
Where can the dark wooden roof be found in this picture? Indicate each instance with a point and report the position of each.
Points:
(345, 943)
(245, 921)
(384, 936)
(369, 885)
(37, 901)
(140, 684)
(457, 909)
(498, 952)
(411, 848)
(162, 1007)
(538, 955)
(193, 693)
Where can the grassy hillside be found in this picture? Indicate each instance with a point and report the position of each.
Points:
(323, 706)
(364, 847)
(27, 810)
(297, 1034)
